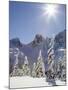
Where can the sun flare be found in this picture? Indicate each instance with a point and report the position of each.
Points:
(50, 10)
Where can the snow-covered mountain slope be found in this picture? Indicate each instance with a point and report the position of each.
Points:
(32, 49)
(60, 40)
(60, 43)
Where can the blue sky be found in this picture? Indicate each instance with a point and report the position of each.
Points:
(26, 20)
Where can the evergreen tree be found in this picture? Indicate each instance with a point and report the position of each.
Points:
(64, 66)
(61, 67)
(16, 70)
(40, 68)
(51, 65)
(34, 70)
(25, 67)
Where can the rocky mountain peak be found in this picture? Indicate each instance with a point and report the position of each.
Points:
(15, 42)
(37, 40)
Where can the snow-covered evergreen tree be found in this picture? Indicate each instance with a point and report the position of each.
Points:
(25, 67)
(16, 70)
(40, 67)
(34, 70)
(64, 66)
(58, 71)
(51, 65)
(61, 66)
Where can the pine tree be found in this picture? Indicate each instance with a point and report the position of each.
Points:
(51, 59)
(16, 70)
(34, 70)
(25, 67)
(58, 71)
(63, 66)
(40, 68)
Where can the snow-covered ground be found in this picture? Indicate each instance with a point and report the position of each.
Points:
(22, 82)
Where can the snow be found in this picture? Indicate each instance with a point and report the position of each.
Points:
(62, 49)
(58, 82)
(26, 81)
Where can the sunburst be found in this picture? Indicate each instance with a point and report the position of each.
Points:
(50, 10)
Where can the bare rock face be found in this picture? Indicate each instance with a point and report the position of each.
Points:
(15, 43)
(37, 40)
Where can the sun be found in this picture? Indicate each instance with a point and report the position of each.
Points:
(50, 10)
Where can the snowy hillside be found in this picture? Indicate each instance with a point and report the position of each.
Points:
(22, 82)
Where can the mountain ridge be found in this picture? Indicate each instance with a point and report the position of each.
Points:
(31, 50)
